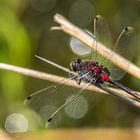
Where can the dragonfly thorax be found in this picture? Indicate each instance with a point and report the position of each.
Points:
(92, 67)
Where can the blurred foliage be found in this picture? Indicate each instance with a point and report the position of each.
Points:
(25, 31)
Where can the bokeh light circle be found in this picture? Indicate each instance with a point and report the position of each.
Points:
(78, 47)
(77, 108)
(82, 13)
(16, 123)
(43, 5)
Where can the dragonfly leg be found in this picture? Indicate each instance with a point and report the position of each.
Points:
(70, 75)
(78, 80)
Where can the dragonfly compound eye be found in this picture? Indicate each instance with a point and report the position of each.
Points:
(73, 65)
(79, 60)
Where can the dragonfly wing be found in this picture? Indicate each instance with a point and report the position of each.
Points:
(124, 47)
(82, 104)
(102, 31)
(47, 101)
(103, 35)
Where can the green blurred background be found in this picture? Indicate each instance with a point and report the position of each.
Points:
(25, 31)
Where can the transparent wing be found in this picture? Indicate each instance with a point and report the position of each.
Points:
(60, 98)
(124, 46)
(102, 31)
(102, 34)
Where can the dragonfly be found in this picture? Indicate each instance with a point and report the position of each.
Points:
(97, 71)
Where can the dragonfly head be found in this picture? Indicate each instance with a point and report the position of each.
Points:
(75, 64)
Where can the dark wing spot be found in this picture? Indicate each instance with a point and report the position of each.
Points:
(50, 119)
(126, 29)
(97, 17)
(28, 98)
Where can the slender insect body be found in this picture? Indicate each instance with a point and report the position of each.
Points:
(89, 69)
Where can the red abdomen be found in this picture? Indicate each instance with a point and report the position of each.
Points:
(105, 77)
